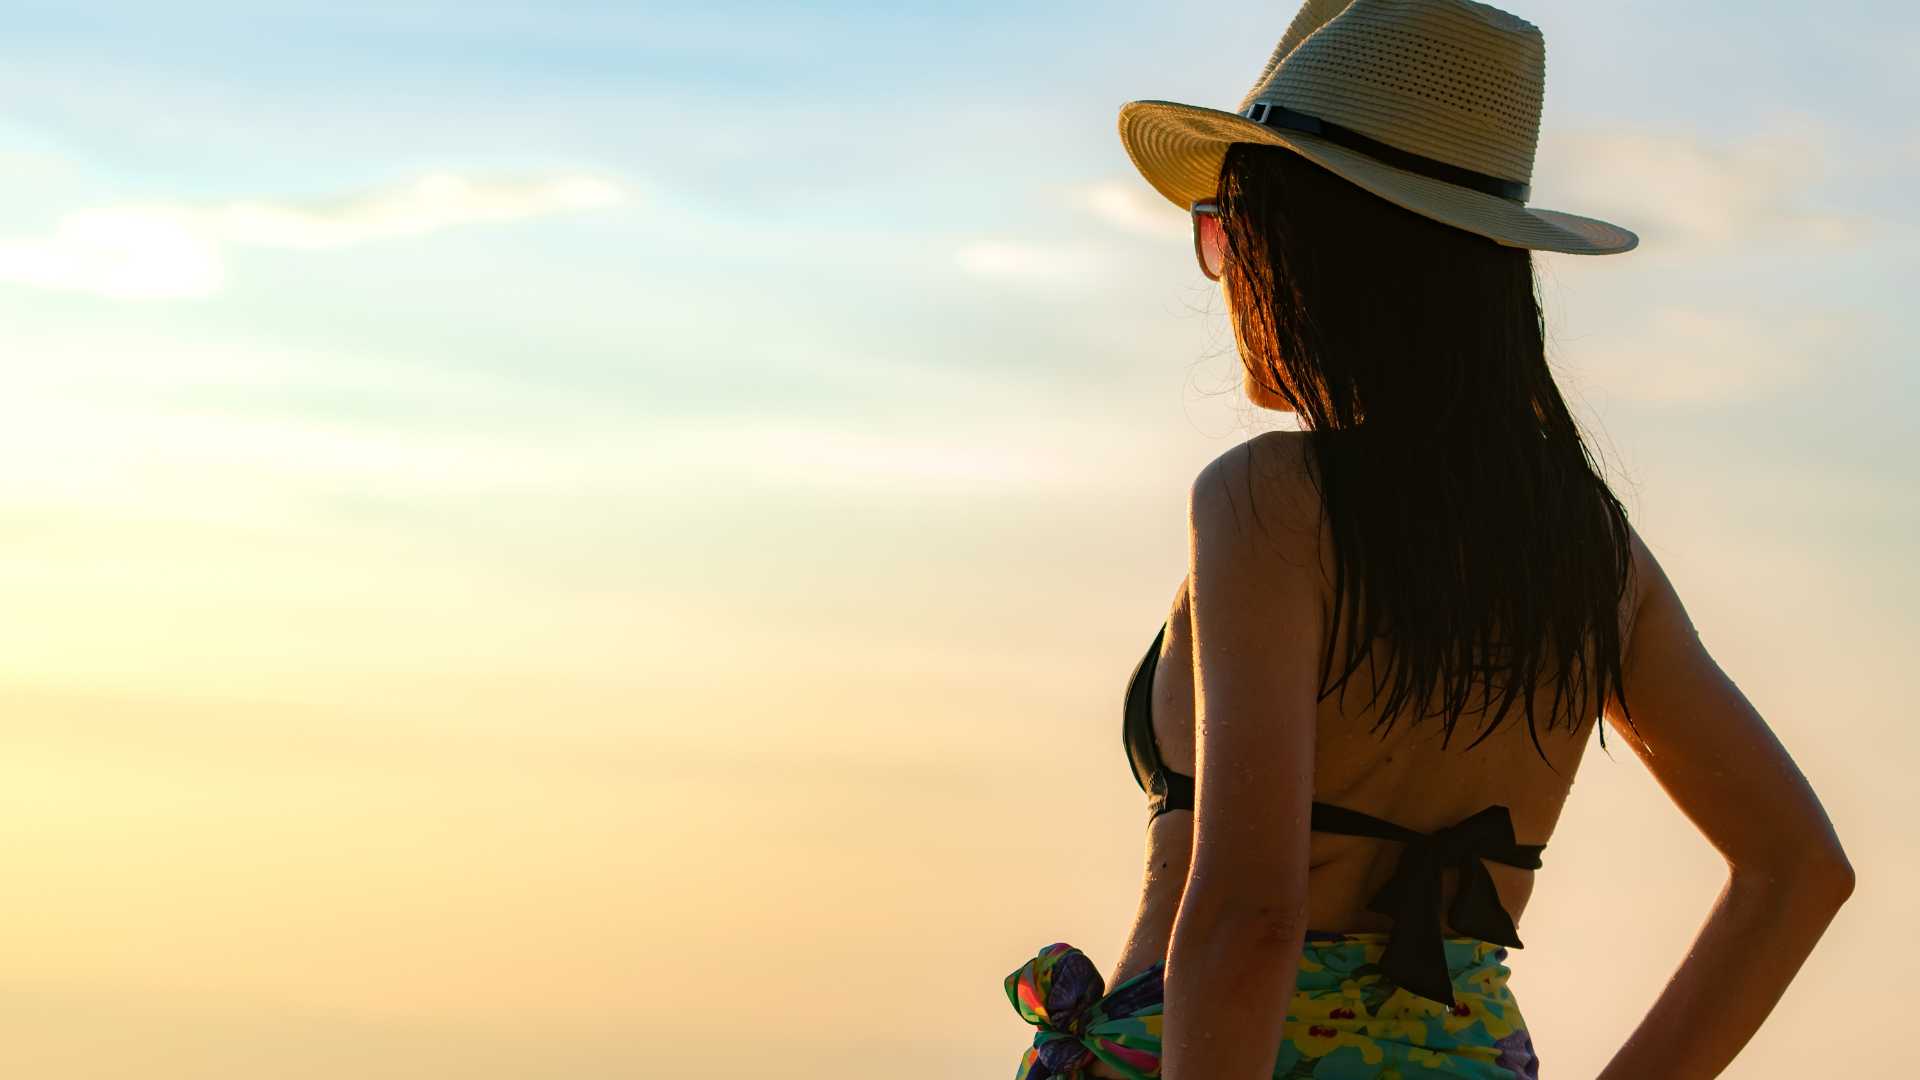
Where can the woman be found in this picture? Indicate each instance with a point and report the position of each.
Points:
(1335, 893)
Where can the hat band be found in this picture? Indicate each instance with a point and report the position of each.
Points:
(1285, 119)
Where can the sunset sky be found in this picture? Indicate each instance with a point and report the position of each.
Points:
(605, 541)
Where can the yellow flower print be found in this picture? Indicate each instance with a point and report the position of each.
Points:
(1353, 994)
(1319, 1040)
(1337, 1007)
(1414, 1007)
(1401, 1029)
(1488, 980)
(1473, 1009)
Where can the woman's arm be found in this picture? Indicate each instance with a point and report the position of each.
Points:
(1236, 941)
(1787, 875)
(1169, 849)
(1169, 857)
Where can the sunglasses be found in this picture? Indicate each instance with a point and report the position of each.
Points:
(1209, 239)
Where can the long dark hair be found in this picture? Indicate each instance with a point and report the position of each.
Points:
(1473, 533)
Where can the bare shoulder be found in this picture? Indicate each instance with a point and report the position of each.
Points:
(1642, 568)
(1260, 492)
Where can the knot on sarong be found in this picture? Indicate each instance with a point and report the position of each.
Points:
(1061, 993)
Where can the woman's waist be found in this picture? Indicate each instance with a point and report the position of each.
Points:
(1345, 963)
(1343, 998)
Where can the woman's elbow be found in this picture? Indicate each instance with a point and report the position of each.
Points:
(1834, 878)
(1825, 878)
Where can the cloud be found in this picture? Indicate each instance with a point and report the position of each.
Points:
(429, 203)
(1027, 262)
(1127, 206)
(1065, 456)
(122, 253)
(1678, 189)
(817, 456)
(1132, 206)
(1692, 355)
(174, 251)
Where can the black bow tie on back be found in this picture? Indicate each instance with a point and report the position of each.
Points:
(1416, 956)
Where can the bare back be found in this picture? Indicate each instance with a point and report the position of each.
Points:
(1404, 777)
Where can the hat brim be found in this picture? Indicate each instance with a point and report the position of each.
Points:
(1179, 149)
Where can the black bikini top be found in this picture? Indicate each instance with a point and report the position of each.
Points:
(1415, 956)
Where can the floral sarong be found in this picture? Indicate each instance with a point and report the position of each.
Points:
(1347, 1020)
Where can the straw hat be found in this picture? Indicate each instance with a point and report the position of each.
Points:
(1433, 105)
